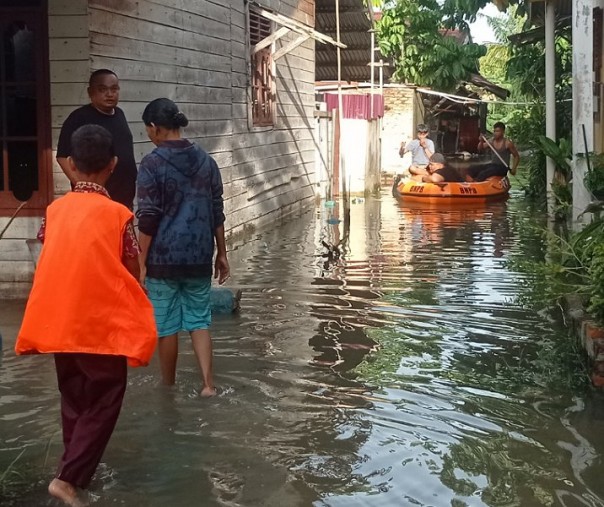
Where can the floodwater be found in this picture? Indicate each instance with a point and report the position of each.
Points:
(404, 371)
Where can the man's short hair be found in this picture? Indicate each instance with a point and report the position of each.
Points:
(98, 73)
(421, 127)
(499, 125)
(437, 158)
(91, 148)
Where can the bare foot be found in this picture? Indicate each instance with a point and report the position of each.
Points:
(208, 392)
(65, 492)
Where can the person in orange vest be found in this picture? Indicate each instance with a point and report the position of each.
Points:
(87, 308)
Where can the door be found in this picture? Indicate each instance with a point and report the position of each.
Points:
(25, 162)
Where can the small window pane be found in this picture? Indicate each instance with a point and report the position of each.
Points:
(21, 116)
(19, 52)
(22, 168)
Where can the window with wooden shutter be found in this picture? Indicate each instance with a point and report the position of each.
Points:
(263, 94)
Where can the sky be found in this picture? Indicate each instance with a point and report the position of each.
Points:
(480, 30)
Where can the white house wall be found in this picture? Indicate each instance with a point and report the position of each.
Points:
(355, 142)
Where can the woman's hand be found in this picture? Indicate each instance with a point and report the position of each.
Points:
(221, 268)
(142, 276)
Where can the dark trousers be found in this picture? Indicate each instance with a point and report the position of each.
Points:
(483, 173)
(92, 389)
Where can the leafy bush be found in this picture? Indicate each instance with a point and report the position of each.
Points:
(574, 266)
(596, 277)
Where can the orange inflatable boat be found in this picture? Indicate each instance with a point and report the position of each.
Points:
(495, 188)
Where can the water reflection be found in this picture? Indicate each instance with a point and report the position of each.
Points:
(397, 372)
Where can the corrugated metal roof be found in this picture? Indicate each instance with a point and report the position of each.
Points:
(355, 23)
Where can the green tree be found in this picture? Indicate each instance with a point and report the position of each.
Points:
(411, 33)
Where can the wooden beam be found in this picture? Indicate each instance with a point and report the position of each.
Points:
(296, 26)
(290, 47)
(270, 39)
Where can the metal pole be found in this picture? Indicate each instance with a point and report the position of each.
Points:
(372, 65)
(550, 95)
(340, 109)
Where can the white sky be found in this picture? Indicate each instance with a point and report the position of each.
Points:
(480, 30)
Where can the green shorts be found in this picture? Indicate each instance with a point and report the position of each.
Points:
(181, 304)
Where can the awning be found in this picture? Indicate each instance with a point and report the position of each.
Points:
(538, 34)
(288, 25)
(485, 84)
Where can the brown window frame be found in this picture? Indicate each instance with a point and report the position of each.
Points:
(262, 82)
(37, 17)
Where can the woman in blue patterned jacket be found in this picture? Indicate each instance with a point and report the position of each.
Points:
(181, 219)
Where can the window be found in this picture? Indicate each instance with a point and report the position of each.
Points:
(24, 126)
(262, 81)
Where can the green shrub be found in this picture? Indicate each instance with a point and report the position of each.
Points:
(594, 179)
(596, 276)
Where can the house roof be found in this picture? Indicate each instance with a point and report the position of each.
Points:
(536, 11)
(485, 84)
(356, 21)
(538, 33)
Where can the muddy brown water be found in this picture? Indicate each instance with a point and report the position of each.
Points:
(401, 370)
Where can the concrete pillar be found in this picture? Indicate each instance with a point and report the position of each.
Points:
(582, 26)
(550, 94)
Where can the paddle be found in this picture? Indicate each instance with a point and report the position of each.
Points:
(498, 155)
(513, 173)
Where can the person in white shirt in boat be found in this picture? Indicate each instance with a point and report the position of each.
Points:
(421, 150)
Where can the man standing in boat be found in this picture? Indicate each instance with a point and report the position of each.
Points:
(502, 149)
(421, 150)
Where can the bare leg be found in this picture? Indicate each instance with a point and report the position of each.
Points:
(168, 354)
(65, 492)
(202, 344)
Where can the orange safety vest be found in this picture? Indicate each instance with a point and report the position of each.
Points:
(83, 298)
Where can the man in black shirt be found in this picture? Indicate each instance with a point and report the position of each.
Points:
(440, 172)
(104, 92)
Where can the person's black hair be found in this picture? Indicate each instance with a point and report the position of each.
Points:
(91, 148)
(98, 73)
(164, 113)
(499, 125)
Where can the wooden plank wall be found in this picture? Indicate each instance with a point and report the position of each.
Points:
(194, 52)
(273, 169)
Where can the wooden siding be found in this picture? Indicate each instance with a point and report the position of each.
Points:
(273, 168)
(194, 52)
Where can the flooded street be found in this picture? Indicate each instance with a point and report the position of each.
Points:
(401, 370)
